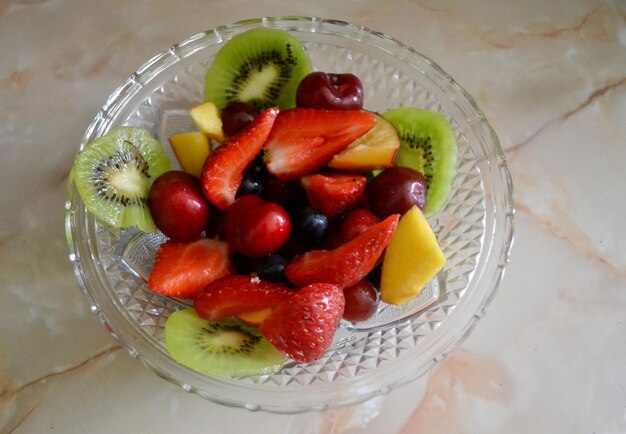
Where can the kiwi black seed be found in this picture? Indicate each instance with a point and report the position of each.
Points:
(226, 348)
(261, 67)
(113, 175)
(427, 144)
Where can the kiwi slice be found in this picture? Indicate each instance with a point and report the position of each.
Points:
(262, 67)
(113, 175)
(427, 144)
(225, 348)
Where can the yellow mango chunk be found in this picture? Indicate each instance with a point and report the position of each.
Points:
(191, 150)
(207, 118)
(256, 317)
(412, 258)
(377, 149)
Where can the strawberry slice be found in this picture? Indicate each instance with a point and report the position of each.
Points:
(348, 263)
(234, 295)
(183, 269)
(333, 194)
(223, 169)
(303, 140)
(303, 327)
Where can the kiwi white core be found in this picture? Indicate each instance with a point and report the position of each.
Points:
(231, 339)
(259, 82)
(130, 180)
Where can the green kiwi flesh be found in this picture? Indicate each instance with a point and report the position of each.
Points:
(225, 348)
(113, 175)
(427, 144)
(262, 67)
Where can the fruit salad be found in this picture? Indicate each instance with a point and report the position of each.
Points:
(296, 207)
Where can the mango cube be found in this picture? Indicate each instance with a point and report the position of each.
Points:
(377, 149)
(191, 150)
(412, 258)
(207, 118)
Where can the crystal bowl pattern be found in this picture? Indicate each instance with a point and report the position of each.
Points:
(475, 227)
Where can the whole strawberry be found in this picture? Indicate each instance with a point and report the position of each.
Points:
(303, 326)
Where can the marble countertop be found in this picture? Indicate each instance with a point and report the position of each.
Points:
(548, 357)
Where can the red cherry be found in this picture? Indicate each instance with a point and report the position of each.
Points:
(320, 90)
(178, 206)
(236, 116)
(254, 227)
(355, 223)
(362, 301)
(396, 190)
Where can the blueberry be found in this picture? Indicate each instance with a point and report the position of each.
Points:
(250, 185)
(257, 167)
(312, 225)
(272, 268)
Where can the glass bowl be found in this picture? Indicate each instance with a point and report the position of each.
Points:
(475, 227)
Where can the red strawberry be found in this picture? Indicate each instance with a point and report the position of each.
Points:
(348, 263)
(233, 295)
(183, 269)
(303, 140)
(224, 167)
(333, 194)
(303, 326)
